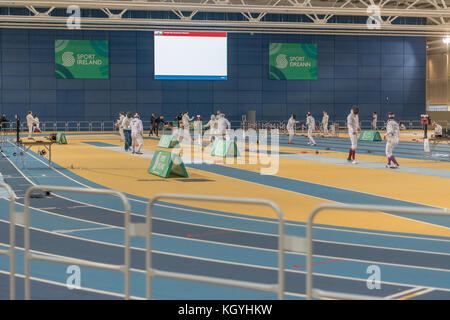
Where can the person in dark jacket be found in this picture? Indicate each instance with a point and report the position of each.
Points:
(152, 124)
(159, 121)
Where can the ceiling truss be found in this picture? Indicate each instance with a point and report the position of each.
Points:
(351, 17)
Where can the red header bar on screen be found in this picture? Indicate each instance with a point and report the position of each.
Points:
(191, 34)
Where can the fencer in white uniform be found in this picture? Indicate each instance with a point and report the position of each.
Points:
(392, 137)
(126, 125)
(437, 130)
(374, 121)
(30, 123)
(37, 123)
(119, 125)
(325, 122)
(137, 133)
(222, 125)
(211, 124)
(311, 124)
(198, 130)
(185, 123)
(291, 127)
(353, 128)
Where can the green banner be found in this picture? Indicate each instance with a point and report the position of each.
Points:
(224, 148)
(370, 136)
(61, 138)
(81, 59)
(164, 162)
(167, 141)
(293, 61)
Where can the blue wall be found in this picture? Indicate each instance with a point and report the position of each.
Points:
(351, 70)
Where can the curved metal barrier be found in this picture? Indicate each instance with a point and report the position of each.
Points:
(125, 268)
(314, 293)
(145, 230)
(12, 241)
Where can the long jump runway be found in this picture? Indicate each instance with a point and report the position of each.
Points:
(202, 242)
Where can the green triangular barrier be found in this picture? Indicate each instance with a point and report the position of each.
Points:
(164, 162)
(168, 141)
(225, 148)
(370, 136)
(61, 138)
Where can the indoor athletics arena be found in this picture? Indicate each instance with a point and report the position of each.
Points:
(225, 150)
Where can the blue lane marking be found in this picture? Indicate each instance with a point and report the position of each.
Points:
(371, 165)
(318, 191)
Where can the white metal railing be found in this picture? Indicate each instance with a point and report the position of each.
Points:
(12, 241)
(145, 230)
(125, 268)
(272, 124)
(314, 293)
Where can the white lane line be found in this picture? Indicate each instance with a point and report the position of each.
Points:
(416, 294)
(65, 285)
(84, 229)
(405, 292)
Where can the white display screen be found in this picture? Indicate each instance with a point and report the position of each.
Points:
(190, 55)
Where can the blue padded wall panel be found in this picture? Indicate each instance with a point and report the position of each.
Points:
(225, 97)
(123, 96)
(14, 40)
(344, 72)
(345, 45)
(41, 68)
(392, 72)
(351, 70)
(271, 110)
(368, 96)
(346, 59)
(369, 85)
(42, 96)
(346, 84)
(322, 96)
(68, 112)
(368, 59)
(123, 83)
(123, 56)
(122, 70)
(15, 55)
(16, 83)
(97, 96)
(70, 84)
(149, 97)
(392, 60)
(392, 45)
(391, 84)
(70, 96)
(15, 96)
(15, 69)
(369, 72)
(200, 85)
(391, 97)
(297, 96)
(94, 84)
(200, 97)
(273, 97)
(298, 85)
(43, 83)
(345, 96)
(249, 84)
(322, 85)
(42, 55)
(369, 45)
